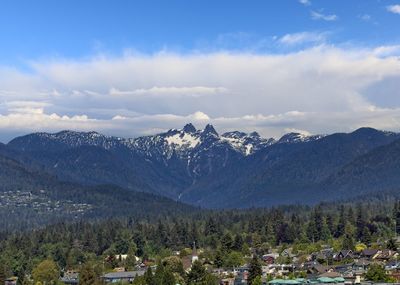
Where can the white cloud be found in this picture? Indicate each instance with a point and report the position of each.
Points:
(319, 90)
(365, 17)
(303, 37)
(319, 16)
(394, 9)
(305, 2)
(195, 91)
(267, 125)
(384, 51)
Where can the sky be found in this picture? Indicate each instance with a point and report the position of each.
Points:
(132, 68)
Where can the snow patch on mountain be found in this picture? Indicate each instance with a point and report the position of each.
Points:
(247, 144)
(182, 139)
(298, 138)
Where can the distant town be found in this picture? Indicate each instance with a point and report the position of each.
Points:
(282, 266)
(15, 200)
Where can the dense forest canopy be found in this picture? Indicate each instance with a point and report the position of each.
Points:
(225, 236)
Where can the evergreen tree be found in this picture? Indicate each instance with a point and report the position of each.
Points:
(318, 220)
(148, 277)
(269, 233)
(159, 274)
(325, 232)
(366, 235)
(360, 222)
(2, 274)
(341, 223)
(348, 239)
(218, 259)
(254, 270)
(391, 244)
(210, 227)
(233, 259)
(168, 277)
(226, 243)
(197, 273)
(350, 215)
(312, 232)
(396, 217)
(238, 243)
(130, 261)
(139, 241)
(330, 224)
(139, 280)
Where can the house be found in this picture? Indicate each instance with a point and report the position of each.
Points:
(330, 274)
(11, 281)
(278, 269)
(370, 253)
(344, 254)
(386, 255)
(361, 266)
(343, 268)
(227, 281)
(70, 278)
(310, 264)
(241, 278)
(270, 258)
(323, 255)
(392, 265)
(319, 269)
(127, 276)
(287, 253)
(242, 269)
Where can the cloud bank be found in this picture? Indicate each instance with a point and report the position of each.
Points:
(321, 89)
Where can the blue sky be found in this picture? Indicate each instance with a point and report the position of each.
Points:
(137, 67)
(36, 29)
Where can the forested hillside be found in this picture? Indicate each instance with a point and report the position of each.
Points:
(31, 198)
(225, 237)
(230, 170)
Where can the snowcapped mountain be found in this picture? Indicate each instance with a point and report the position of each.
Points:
(200, 166)
(183, 142)
(177, 158)
(65, 140)
(298, 137)
(246, 143)
(186, 142)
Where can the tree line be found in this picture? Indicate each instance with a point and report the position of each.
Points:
(226, 237)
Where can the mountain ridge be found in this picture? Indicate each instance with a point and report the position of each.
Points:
(202, 167)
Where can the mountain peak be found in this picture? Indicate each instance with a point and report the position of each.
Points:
(209, 129)
(366, 131)
(189, 128)
(254, 134)
(299, 137)
(292, 138)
